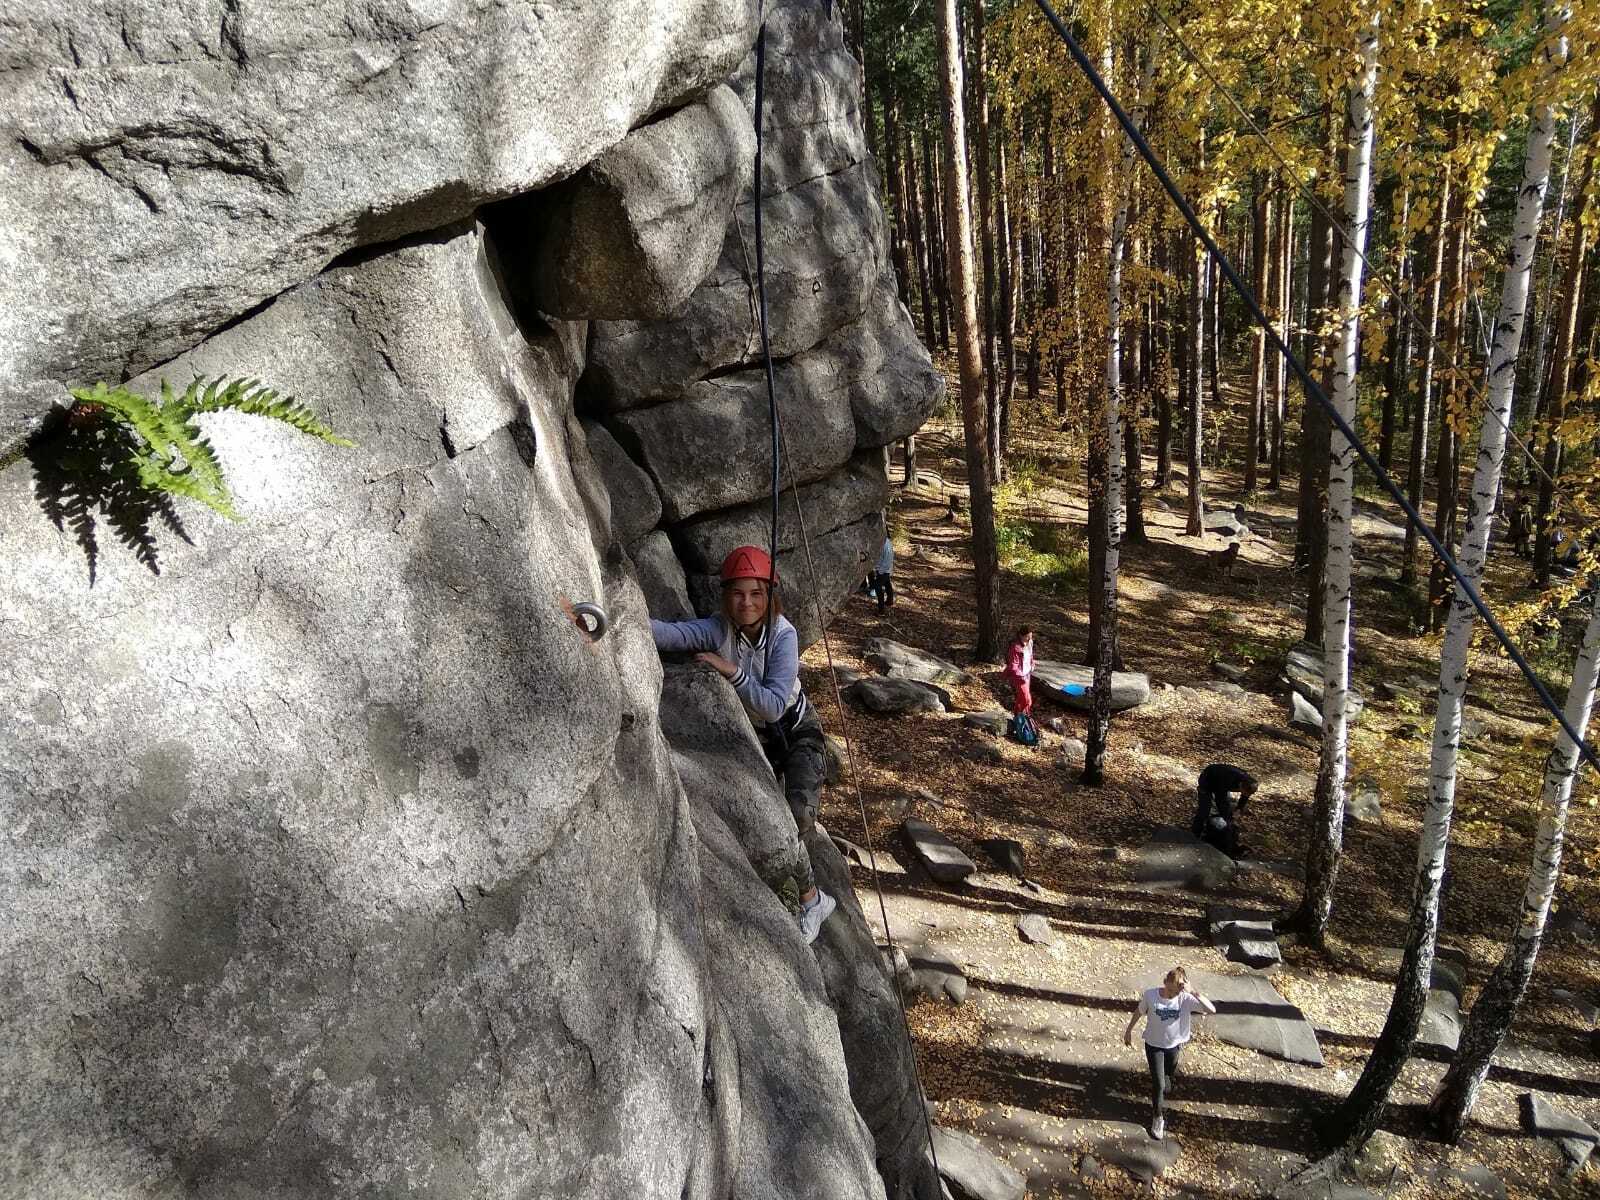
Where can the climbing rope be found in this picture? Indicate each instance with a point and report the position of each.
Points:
(1312, 388)
(779, 446)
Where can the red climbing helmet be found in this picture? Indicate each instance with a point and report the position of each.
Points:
(748, 562)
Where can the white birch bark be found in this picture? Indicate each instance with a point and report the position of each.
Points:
(1473, 551)
(1327, 835)
(1497, 1004)
(1358, 1114)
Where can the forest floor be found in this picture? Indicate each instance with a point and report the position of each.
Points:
(1033, 1060)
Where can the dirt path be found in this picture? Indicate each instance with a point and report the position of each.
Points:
(1038, 1040)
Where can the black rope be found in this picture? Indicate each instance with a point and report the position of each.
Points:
(1313, 390)
(761, 304)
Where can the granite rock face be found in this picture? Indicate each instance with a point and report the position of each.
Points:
(216, 159)
(336, 859)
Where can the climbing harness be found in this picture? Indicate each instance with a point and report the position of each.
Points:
(1312, 388)
(780, 448)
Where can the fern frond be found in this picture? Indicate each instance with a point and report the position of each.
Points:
(250, 396)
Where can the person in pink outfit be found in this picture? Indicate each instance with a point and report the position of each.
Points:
(1019, 670)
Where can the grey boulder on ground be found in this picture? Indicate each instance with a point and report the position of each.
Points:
(1228, 523)
(1129, 689)
(1573, 1134)
(1175, 858)
(894, 696)
(1303, 714)
(939, 975)
(940, 857)
(1587, 1010)
(1365, 802)
(637, 230)
(1245, 936)
(899, 661)
(991, 720)
(1233, 672)
(971, 1170)
(1302, 670)
(1034, 928)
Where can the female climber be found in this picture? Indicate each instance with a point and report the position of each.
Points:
(754, 647)
(1166, 1010)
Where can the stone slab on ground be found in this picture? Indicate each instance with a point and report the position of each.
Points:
(1302, 670)
(1060, 1148)
(1034, 928)
(1584, 1008)
(1175, 858)
(1573, 1134)
(940, 857)
(972, 1170)
(1250, 1013)
(991, 721)
(857, 856)
(1006, 853)
(1129, 689)
(1244, 935)
(1232, 672)
(939, 975)
(894, 696)
(1365, 802)
(1441, 1012)
(899, 661)
(1303, 714)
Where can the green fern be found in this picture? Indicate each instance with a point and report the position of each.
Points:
(125, 458)
(169, 452)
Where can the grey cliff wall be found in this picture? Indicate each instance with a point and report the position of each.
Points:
(334, 859)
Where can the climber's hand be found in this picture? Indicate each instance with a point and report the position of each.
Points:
(1127, 1037)
(719, 664)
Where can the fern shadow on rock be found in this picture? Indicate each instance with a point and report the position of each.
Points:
(85, 479)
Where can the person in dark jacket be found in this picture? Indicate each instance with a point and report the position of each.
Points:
(1215, 811)
(753, 646)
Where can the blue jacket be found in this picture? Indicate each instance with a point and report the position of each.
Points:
(768, 679)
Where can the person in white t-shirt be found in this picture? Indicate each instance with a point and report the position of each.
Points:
(1166, 1010)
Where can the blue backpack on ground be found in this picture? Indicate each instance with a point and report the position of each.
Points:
(1022, 729)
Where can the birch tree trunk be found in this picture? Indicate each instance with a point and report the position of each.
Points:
(958, 226)
(1355, 1119)
(1496, 1006)
(1327, 829)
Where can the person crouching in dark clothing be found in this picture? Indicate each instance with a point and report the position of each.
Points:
(1216, 811)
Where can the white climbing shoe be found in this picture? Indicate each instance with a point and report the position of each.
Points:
(814, 914)
(1158, 1128)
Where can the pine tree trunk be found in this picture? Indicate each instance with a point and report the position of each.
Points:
(1313, 439)
(1259, 214)
(1327, 828)
(1392, 376)
(985, 219)
(1416, 466)
(1010, 271)
(1171, 373)
(1356, 1118)
(1280, 386)
(963, 289)
(1213, 319)
(1562, 366)
(1136, 359)
(910, 477)
(897, 203)
(932, 187)
(1194, 446)
(919, 240)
